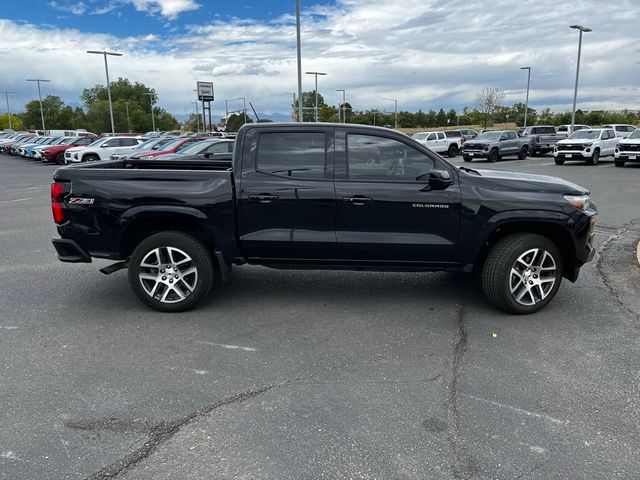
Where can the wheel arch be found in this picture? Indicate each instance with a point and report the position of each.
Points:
(554, 231)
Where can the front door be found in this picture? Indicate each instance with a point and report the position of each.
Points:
(385, 212)
(286, 199)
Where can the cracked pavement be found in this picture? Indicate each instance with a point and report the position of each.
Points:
(318, 374)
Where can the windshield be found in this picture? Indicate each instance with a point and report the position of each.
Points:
(197, 147)
(68, 140)
(97, 143)
(420, 136)
(492, 136)
(586, 134)
(146, 145)
(172, 145)
(635, 134)
(160, 143)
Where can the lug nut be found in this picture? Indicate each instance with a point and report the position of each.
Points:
(162, 271)
(176, 275)
(535, 276)
(530, 282)
(171, 281)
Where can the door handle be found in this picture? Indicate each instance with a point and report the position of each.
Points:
(263, 198)
(358, 200)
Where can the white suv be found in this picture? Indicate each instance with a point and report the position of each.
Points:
(439, 142)
(101, 149)
(586, 145)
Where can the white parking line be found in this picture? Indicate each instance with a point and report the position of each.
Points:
(605, 166)
(228, 347)
(18, 200)
(638, 253)
(516, 409)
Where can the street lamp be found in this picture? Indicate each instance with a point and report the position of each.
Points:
(293, 106)
(526, 102)
(126, 104)
(197, 114)
(8, 109)
(396, 111)
(299, 49)
(344, 107)
(153, 119)
(575, 90)
(38, 80)
(106, 67)
(316, 75)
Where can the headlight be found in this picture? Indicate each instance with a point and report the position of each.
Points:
(588, 145)
(146, 157)
(581, 202)
(486, 149)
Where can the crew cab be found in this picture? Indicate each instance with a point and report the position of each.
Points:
(622, 130)
(437, 141)
(322, 196)
(543, 138)
(586, 146)
(496, 144)
(101, 149)
(628, 149)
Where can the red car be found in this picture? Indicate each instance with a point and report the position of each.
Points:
(55, 153)
(171, 147)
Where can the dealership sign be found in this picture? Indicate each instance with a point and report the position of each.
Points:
(205, 91)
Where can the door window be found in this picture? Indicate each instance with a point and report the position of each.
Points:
(112, 143)
(297, 155)
(512, 135)
(431, 136)
(128, 142)
(384, 159)
(440, 135)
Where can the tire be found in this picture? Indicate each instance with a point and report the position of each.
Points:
(90, 158)
(178, 253)
(594, 158)
(522, 154)
(493, 155)
(452, 151)
(529, 289)
(60, 158)
(559, 161)
(466, 158)
(618, 163)
(533, 153)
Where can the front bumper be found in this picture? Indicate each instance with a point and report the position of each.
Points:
(627, 156)
(475, 153)
(572, 154)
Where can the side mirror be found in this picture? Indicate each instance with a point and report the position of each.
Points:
(438, 180)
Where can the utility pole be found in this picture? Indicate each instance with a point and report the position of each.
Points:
(106, 68)
(344, 106)
(8, 109)
(153, 119)
(582, 30)
(396, 110)
(526, 102)
(316, 75)
(299, 49)
(38, 80)
(197, 115)
(126, 104)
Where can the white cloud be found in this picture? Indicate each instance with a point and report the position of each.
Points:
(427, 53)
(76, 8)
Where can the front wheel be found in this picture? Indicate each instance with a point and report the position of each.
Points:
(522, 155)
(595, 158)
(618, 163)
(559, 161)
(493, 155)
(90, 158)
(522, 273)
(60, 158)
(171, 271)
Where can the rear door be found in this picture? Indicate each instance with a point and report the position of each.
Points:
(286, 198)
(383, 213)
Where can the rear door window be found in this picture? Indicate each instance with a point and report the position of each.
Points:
(294, 155)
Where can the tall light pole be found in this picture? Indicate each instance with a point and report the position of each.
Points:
(396, 110)
(197, 114)
(299, 49)
(106, 68)
(153, 118)
(581, 29)
(38, 80)
(316, 75)
(526, 102)
(126, 104)
(6, 94)
(344, 107)
(293, 106)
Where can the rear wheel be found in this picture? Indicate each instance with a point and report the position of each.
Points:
(619, 163)
(559, 161)
(171, 271)
(453, 150)
(522, 273)
(60, 158)
(493, 155)
(595, 158)
(90, 158)
(522, 155)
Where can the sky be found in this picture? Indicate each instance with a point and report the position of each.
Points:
(424, 53)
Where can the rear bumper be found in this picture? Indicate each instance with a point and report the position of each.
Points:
(69, 251)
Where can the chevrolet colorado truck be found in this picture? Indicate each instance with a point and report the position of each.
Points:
(628, 150)
(322, 196)
(495, 145)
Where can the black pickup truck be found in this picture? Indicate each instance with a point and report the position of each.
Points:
(322, 196)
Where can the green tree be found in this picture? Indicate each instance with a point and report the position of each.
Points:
(309, 105)
(235, 121)
(56, 114)
(193, 123)
(16, 122)
(441, 118)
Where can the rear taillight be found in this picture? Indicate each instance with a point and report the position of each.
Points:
(58, 191)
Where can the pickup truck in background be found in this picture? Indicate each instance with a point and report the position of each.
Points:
(322, 196)
(496, 144)
(439, 142)
(587, 146)
(543, 138)
(628, 150)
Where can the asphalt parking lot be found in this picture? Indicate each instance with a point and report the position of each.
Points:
(318, 374)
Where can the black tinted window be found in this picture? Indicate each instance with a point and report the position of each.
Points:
(453, 134)
(128, 142)
(512, 135)
(300, 155)
(222, 147)
(543, 130)
(379, 158)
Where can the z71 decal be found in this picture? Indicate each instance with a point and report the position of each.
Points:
(81, 201)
